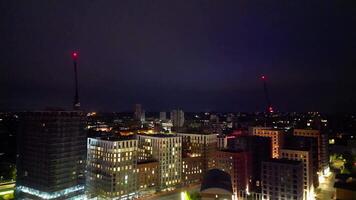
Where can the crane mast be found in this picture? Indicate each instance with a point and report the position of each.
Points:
(269, 107)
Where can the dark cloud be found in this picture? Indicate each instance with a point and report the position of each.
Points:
(198, 55)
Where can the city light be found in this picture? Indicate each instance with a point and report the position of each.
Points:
(52, 195)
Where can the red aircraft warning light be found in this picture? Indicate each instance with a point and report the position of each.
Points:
(263, 77)
(75, 55)
(270, 109)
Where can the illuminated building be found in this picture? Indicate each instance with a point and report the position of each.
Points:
(243, 195)
(303, 155)
(177, 118)
(307, 143)
(167, 126)
(282, 179)
(216, 185)
(275, 135)
(192, 170)
(258, 147)
(322, 139)
(167, 150)
(162, 116)
(147, 177)
(237, 164)
(139, 113)
(222, 142)
(111, 168)
(51, 155)
(197, 153)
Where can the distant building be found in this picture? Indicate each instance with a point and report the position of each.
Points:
(167, 150)
(216, 185)
(238, 165)
(162, 116)
(111, 168)
(177, 117)
(214, 118)
(282, 179)
(303, 155)
(197, 153)
(139, 113)
(323, 153)
(275, 135)
(51, 155)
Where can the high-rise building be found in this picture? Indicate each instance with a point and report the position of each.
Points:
(323, 154)
(111, 168)
(303, 155)
(162, 116)
(139, 113)
(177, 117)
(167, 150)
(276, 136)
(259, 149)
(51, 155)
(238, 165)
(282, 179)
(307, 143)
(197, 154)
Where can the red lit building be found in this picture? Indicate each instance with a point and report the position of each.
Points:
(237, 164)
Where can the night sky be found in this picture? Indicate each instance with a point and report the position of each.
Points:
(195, 55)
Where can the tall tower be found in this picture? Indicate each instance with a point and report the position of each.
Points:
(269, 104)
(76, 103)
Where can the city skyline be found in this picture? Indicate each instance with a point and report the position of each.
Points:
(197, 56)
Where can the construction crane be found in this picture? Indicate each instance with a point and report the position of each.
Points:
(76, 103)
(269, 108)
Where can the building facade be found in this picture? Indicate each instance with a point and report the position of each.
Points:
(303, 155)
(238, 165)
(167, 151)
(259, 149)
(177, 117)
(275, 135)
(197, 154)
(51, 155)
(147, 177)
(323, 153)
(282, 179)
(111, 168)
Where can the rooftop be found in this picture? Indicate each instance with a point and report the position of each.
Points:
(158, 135)
(296, 148)
(283, 161)
(216, 178)
(345, 181)
(114, 138)
(196, 133)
